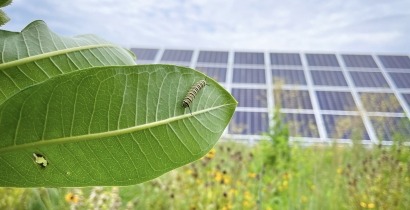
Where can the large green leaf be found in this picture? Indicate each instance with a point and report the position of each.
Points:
(109, 126)
(37, 54)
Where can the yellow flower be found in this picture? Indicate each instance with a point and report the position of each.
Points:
(233, 192)
(285, 184)
(313, 187)
(248, 196)
(339, 170)
(211, 153)
(227, 207)
(246, 203)
(71, 198)
(252, 175)
(268, 208)
(371, 205)
(304, 199)
(363, 204)
(189, 171)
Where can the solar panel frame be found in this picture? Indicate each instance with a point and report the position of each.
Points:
(292, 99)
(219, 57)
(328, 78)
(250, 97)
(171, 55)
(345, 126)
(359, 61)
(145, 54)
(301, 125)
(368, 79)
(249, 75)
(288, 76)
(401, 79)
(250, 58)
(217, 73)
(336, 100)
(285, 59)
(395, 61)
(259, 123)
(380, 102)
(328, 60)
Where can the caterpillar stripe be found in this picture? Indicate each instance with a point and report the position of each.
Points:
(192, 93)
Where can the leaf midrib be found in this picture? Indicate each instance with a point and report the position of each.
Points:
(51, 54)
(93, 136)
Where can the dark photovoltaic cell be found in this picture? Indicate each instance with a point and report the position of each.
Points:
(145, 54)
(249, 123)
(395, 62)
(250, 97)
(248, 75)
(368, 79)
(301, 125)
(213, 57)
(406, 97)
(288, 77)
(360, 61)
(345, 127)
(285, 59)
(249, 58)
(177, 55)
(322, 60)
(292, 99)
(391, 128)
(402, 80)
(328, 78)
(329, 100)
(380, 102)
(219, 74)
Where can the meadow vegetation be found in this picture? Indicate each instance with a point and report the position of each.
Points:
(269, 175)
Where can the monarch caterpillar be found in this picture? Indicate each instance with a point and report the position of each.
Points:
(40, 160)
(192, 93)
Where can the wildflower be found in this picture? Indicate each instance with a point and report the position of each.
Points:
(363, 204)
(227, 207)
(211, 154)
(252, 175)
(371, 205)
(246, 203)
(71, 198)
(339, 170)
(303, 199)
(268, 208)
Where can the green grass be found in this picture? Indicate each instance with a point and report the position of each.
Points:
(237, 176)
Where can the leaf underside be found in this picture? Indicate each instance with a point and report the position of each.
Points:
(109, 126)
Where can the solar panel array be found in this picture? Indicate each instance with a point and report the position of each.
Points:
(323, 96)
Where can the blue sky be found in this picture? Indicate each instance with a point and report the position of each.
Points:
(310, 25)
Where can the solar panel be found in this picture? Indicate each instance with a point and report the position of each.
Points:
(406, 97)
(249, 58)
(328, 78)
(395, 62)
(345, 127)
(213, 57)
(241, 75)
(292, 59)
(249, 123)
(322, 60)
(177, 55)
(145, 53)
(368, 79)
(250, 97)
(380, 102)
(292, 99)
(301, 125)
(219, 74)
(402, 80)
(360, 61)
(288, 77)
(391, 128)
(330, 100)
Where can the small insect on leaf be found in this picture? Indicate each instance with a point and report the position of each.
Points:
(192, 93)
(40, 160)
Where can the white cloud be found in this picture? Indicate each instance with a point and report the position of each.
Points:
(339, 25)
